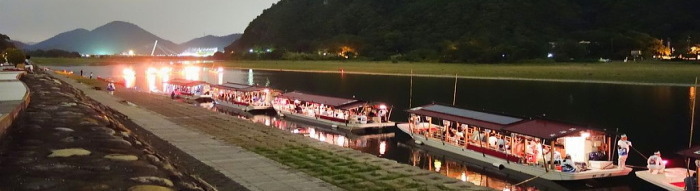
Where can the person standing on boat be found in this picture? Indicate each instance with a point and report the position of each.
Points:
(622, 150)
(654, 163)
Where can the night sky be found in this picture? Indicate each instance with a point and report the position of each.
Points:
(175, 20)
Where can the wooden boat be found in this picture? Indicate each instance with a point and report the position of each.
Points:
(500, 140)
(243, 97)
(336, 112)
(187, 88)
(673, 178)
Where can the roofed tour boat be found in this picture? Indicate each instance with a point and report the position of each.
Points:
(517, 144)
(341, 112)
(188, 88)
(243, 97)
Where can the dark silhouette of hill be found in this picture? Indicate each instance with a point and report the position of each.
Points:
(211, 41)
(473, 30)
(112, 38)
(18, 44)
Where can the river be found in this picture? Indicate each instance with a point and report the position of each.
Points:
(654, 117)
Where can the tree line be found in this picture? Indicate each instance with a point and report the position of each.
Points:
(469, 30)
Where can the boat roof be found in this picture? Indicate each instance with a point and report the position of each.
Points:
(692, 152)
(339, 103)
(546, 129)
(184, 82)
(240, 87)
(478, 118)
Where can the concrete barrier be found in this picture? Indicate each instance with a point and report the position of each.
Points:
(14, 98)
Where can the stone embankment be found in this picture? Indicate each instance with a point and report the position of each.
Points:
(66, 141)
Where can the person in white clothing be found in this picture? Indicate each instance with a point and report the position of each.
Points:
(492, 140)
(501, 143)
(655, 163)
(622, 150)
(568, 165)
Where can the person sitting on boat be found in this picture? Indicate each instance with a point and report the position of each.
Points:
(415, 119)
(622, 151)
(501, 144)
(519, 149)
(531, 152)
(557, 157)
(492, 140)
(477, 136)
(460, 133)
(568, 165)
(655, 163)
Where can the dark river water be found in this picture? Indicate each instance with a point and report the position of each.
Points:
(653, 117)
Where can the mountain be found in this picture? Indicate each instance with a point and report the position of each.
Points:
(112, 38)
(19, 45)
(473, 30)
(210, 41)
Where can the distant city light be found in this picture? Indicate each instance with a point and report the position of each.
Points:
(199, 52)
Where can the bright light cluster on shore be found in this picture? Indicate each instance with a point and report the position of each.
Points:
(192, 72)
(199, 52)
(129, 77)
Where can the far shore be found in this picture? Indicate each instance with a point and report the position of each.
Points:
(653, 73)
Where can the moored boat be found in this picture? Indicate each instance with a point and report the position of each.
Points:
(243, 97)
(338, 112)
(187, 88)
(673, 178)
(514, 143)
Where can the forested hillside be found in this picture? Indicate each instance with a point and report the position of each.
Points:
(471, 30)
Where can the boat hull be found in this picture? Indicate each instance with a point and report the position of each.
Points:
(351, 126)
(501, 163)
(664, 180)
(246, 108)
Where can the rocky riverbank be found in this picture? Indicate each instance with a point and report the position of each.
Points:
(66, 141)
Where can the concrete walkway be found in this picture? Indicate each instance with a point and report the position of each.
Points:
(251, 170)
(12, 97)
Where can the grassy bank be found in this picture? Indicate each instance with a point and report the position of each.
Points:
(643, 72)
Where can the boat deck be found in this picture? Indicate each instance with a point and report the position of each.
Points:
(671, 179)
(325, 121)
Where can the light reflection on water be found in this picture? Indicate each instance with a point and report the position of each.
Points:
(363, 142)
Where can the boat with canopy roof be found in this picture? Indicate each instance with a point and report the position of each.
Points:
(244, 97)
(515, 143)
(187, 88)
(337, 112)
